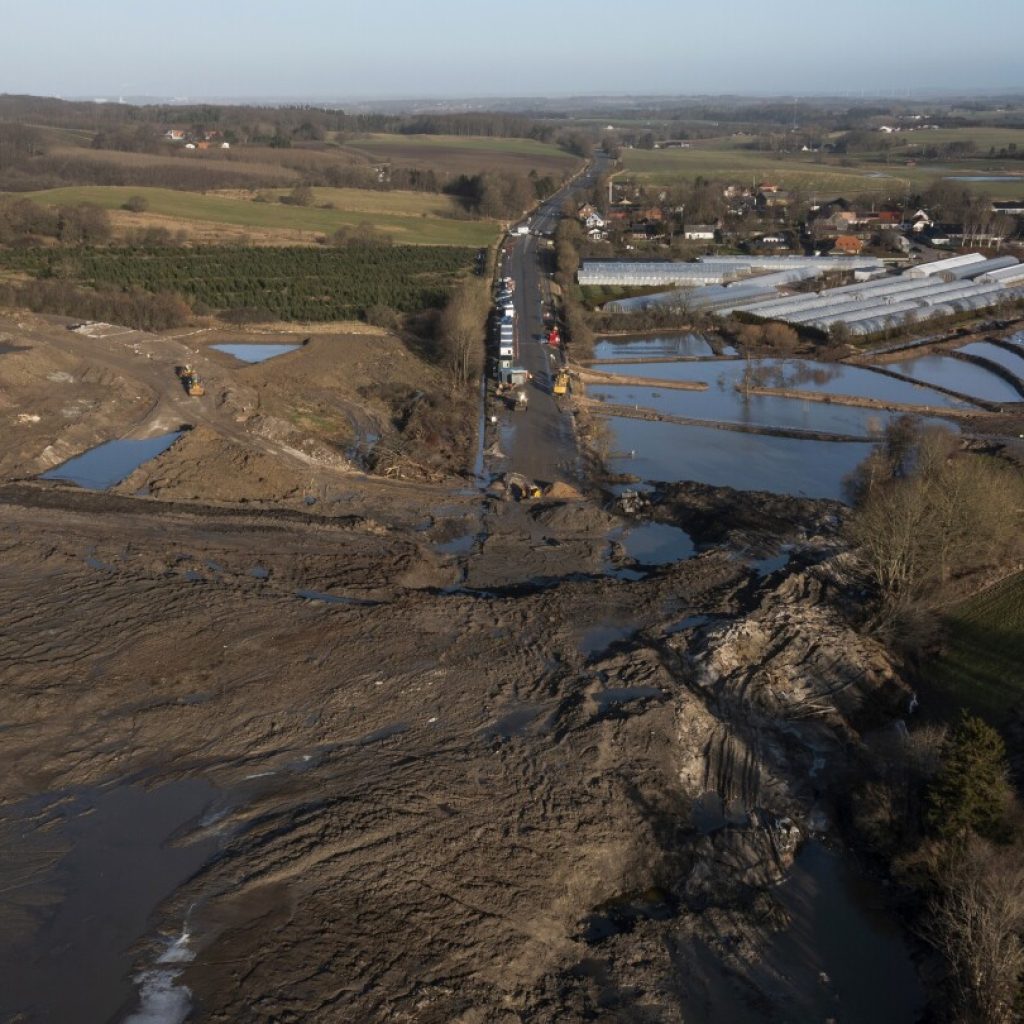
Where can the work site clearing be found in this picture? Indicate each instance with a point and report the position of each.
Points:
(404, 749)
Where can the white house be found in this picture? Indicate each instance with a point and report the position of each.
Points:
(699, 233)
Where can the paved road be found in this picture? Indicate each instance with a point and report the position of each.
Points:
(540, 442)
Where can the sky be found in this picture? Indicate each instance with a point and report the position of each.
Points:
(337, 49)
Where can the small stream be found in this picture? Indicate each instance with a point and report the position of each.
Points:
(843, 957)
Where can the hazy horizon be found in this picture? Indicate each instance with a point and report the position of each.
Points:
(392, 51)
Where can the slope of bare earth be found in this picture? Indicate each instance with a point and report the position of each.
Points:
(284, 430)
(454, 787)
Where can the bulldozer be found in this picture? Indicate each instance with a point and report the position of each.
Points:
(191, 382)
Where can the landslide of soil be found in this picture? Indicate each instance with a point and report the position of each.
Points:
(462, 745)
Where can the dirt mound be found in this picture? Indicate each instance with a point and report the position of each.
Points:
(561, 491)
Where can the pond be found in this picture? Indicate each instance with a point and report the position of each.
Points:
(725, 405)
(257, 352)
(803, 375)
(727, 458)
(655, 543)
(98, 863)
(958, 375)
(657, 347)
(109, 463)
(1012, 361)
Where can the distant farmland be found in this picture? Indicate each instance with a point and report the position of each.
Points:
(724, 160)
(416, 218)
(457, 154)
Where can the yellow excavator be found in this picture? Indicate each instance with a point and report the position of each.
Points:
(561, 385)
(191, 382)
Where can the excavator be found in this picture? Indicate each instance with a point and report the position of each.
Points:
(191, 382)
(561, 385)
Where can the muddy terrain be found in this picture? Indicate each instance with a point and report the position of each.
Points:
(284, 741)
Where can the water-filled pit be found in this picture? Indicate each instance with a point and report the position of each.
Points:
(255, 353)
(109, 463)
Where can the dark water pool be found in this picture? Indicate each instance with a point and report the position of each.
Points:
(101, 861)
(108, 464)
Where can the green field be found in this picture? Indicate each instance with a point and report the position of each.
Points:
(415, 218)
(725, 160)
(982, 665)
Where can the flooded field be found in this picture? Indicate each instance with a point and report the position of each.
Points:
(657, 347)
(255, 353)
(724, 404)
(108, 464)
(1012, 361)
(802, 375)
(727, 458)
(958, 375)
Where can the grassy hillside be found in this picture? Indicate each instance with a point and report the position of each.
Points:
(416, 218)
(982, 665)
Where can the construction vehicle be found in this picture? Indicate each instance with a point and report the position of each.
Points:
(191, 382)
(561, 385)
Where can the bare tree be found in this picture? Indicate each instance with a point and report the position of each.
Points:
(461, 330)
(976, 923)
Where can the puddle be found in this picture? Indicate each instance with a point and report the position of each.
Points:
(458, 546)
(85, 909)
(383, 734)
(600, 638)
(615, 697)
(984, 177)
(255, 353)
(958, 375)
(108, 464)
(773, 563)
(710, 813)
(259, 572)
(690, 622)
(621, 916)
(725, 458)
(657, 543)
(514, 722)
(320, 595)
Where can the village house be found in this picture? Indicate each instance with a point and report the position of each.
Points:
(699, 232)
(848, 245)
